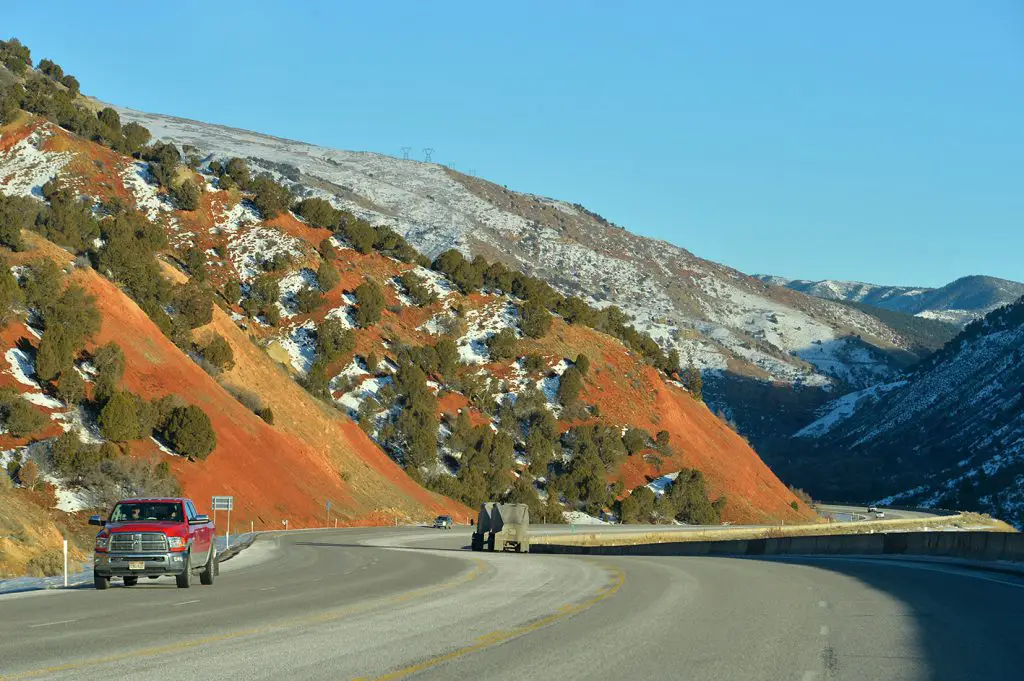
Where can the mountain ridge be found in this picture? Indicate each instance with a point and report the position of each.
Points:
(715, 316)
(958, 302)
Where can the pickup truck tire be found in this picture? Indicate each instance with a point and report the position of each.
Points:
(100, 582)
(131, 581)
(210, 569)
(184, 580)
(490, 542)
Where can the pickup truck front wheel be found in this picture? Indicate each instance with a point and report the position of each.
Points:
(210, 569)
(184, 580)
(100, 582)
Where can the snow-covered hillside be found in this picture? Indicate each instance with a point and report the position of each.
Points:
(950, 435)
(958, 302)
(716, 317)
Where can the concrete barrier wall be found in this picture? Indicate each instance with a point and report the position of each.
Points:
(966, 545)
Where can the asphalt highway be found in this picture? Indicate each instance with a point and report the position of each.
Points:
(395, 603)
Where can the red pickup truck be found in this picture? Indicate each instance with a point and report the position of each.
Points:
(153, 538)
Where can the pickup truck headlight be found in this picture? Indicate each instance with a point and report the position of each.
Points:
(176, 542)
(102, 543)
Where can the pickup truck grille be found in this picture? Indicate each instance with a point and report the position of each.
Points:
(138, 542)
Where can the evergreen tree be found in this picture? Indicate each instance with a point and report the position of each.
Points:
(119, 418)
(535, 319)
(502, 345)
(569, 386)
(187, 195)
(582, 363)
(218, 352)
(270, 198)
(54, 354)
(110, 363)
(333, 340)
(371, 304)
(693, 382)
(190, 433)
(71, 387)
(10, 293)
(327, 276)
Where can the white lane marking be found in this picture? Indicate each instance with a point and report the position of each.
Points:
(317, 579)
(823, 630)
(822, 604)
(50, 624)
(187, 602)
(809, 676)
(267, 588)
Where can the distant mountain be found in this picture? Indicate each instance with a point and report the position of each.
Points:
(925, 334)
(951, 434)
(958, 302)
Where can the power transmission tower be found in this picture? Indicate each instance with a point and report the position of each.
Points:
(427, 153)
(405, 153)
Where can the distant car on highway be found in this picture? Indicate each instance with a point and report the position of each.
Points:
(879, 514)
(153, 538)
(872, 509)
(443, 522)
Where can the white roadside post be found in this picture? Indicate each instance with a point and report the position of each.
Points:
(65, 563)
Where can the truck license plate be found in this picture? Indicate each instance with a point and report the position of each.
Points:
(136, 565)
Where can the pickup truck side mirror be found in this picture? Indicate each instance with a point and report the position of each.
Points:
(97, 520)
(199, 520)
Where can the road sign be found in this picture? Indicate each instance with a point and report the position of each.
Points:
(328, 504)
(223, 503)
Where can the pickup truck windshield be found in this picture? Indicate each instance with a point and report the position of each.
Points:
(159, 512)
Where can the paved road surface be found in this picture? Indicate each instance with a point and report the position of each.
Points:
(846, 513)
(401, 603)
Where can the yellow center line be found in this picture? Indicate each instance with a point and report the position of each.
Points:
(498, 637)
(478, 569)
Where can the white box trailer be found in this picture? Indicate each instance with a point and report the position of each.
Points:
(502, 527)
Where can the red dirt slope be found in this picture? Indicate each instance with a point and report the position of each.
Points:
(274, 473)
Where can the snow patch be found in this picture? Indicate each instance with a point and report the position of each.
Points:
(249, 250)
(289, 287)
(42, 400)
(581, 518)
(22, 367)
(660, 485)
(145, 190)
(25, 167)
(844, 407)
(300, 344)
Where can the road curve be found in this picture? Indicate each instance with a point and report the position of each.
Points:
(401, 603)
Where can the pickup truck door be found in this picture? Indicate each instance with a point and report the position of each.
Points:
(201, 539)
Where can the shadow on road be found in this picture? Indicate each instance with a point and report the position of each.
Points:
(966, 627)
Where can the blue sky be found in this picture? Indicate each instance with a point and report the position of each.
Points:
(879, 141)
